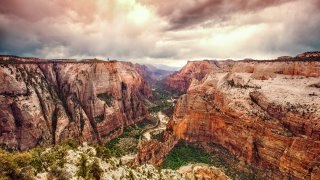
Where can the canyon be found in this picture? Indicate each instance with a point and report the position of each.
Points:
(265, 113)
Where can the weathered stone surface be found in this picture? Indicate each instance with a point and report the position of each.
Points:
(262, 70)
(264, 112)
(272, 124)
(44, 103)
(196, 70)
(154, 152)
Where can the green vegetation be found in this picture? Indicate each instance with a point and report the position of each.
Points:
(184, 154)
(24, 165)
(99, 118)
(95, 171)
(157, 136)
(83, 166)
(15, 165)
(160, 107)
(106, 98)
(125, 144)
(161, 101)
(103, 152)
(89, 170)
(128, 141)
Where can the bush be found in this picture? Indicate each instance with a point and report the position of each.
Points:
(95, 171)
(58, 173)
(14, 165)
(36, 161)
(103, 152)
(54, 157)
(71, 143)
(83, 166)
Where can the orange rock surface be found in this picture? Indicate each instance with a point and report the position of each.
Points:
(44, 103)
(267, 113)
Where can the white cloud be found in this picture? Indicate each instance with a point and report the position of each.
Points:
(132, 30)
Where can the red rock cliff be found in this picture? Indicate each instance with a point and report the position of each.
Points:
(45, 103)
(266, 113)
(196, 70)
(304, 66)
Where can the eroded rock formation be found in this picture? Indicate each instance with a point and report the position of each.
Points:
(45, 103)
(260, 69)
(267, 113)
(196, 70)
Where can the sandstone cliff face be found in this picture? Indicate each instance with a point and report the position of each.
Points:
(196, 70)
(260, 69)
(264, 112)
(271, 122)
(154, 151)
(46, 103)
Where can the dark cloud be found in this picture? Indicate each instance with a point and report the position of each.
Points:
(182, 14)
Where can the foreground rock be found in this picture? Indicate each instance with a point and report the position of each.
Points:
(46, 102)
(83, 163)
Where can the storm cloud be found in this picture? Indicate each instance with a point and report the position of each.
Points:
(165, 32)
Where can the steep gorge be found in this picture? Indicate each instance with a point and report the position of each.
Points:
(264, 112)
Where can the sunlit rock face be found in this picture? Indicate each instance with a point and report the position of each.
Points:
(266, 113)
(196, 70)
(304, 66)
(45, 103)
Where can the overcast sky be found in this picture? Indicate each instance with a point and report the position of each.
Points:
(159, 31)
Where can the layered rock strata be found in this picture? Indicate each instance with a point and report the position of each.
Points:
(267, 113)
(45, 102)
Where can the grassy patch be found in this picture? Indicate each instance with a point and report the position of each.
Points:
(184, 154)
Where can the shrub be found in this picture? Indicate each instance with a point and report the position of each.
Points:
(53, 157)
(58, 173)
(36, 161)
(103, 152)
(72, 143)
(14, 165)
(95, 171)
(83, 166)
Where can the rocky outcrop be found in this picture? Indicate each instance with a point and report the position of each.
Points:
(44, 102)
(272, 124)
(154, 151)
(264, 112)
(309, 54)
(264, 69)
(196, 70)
